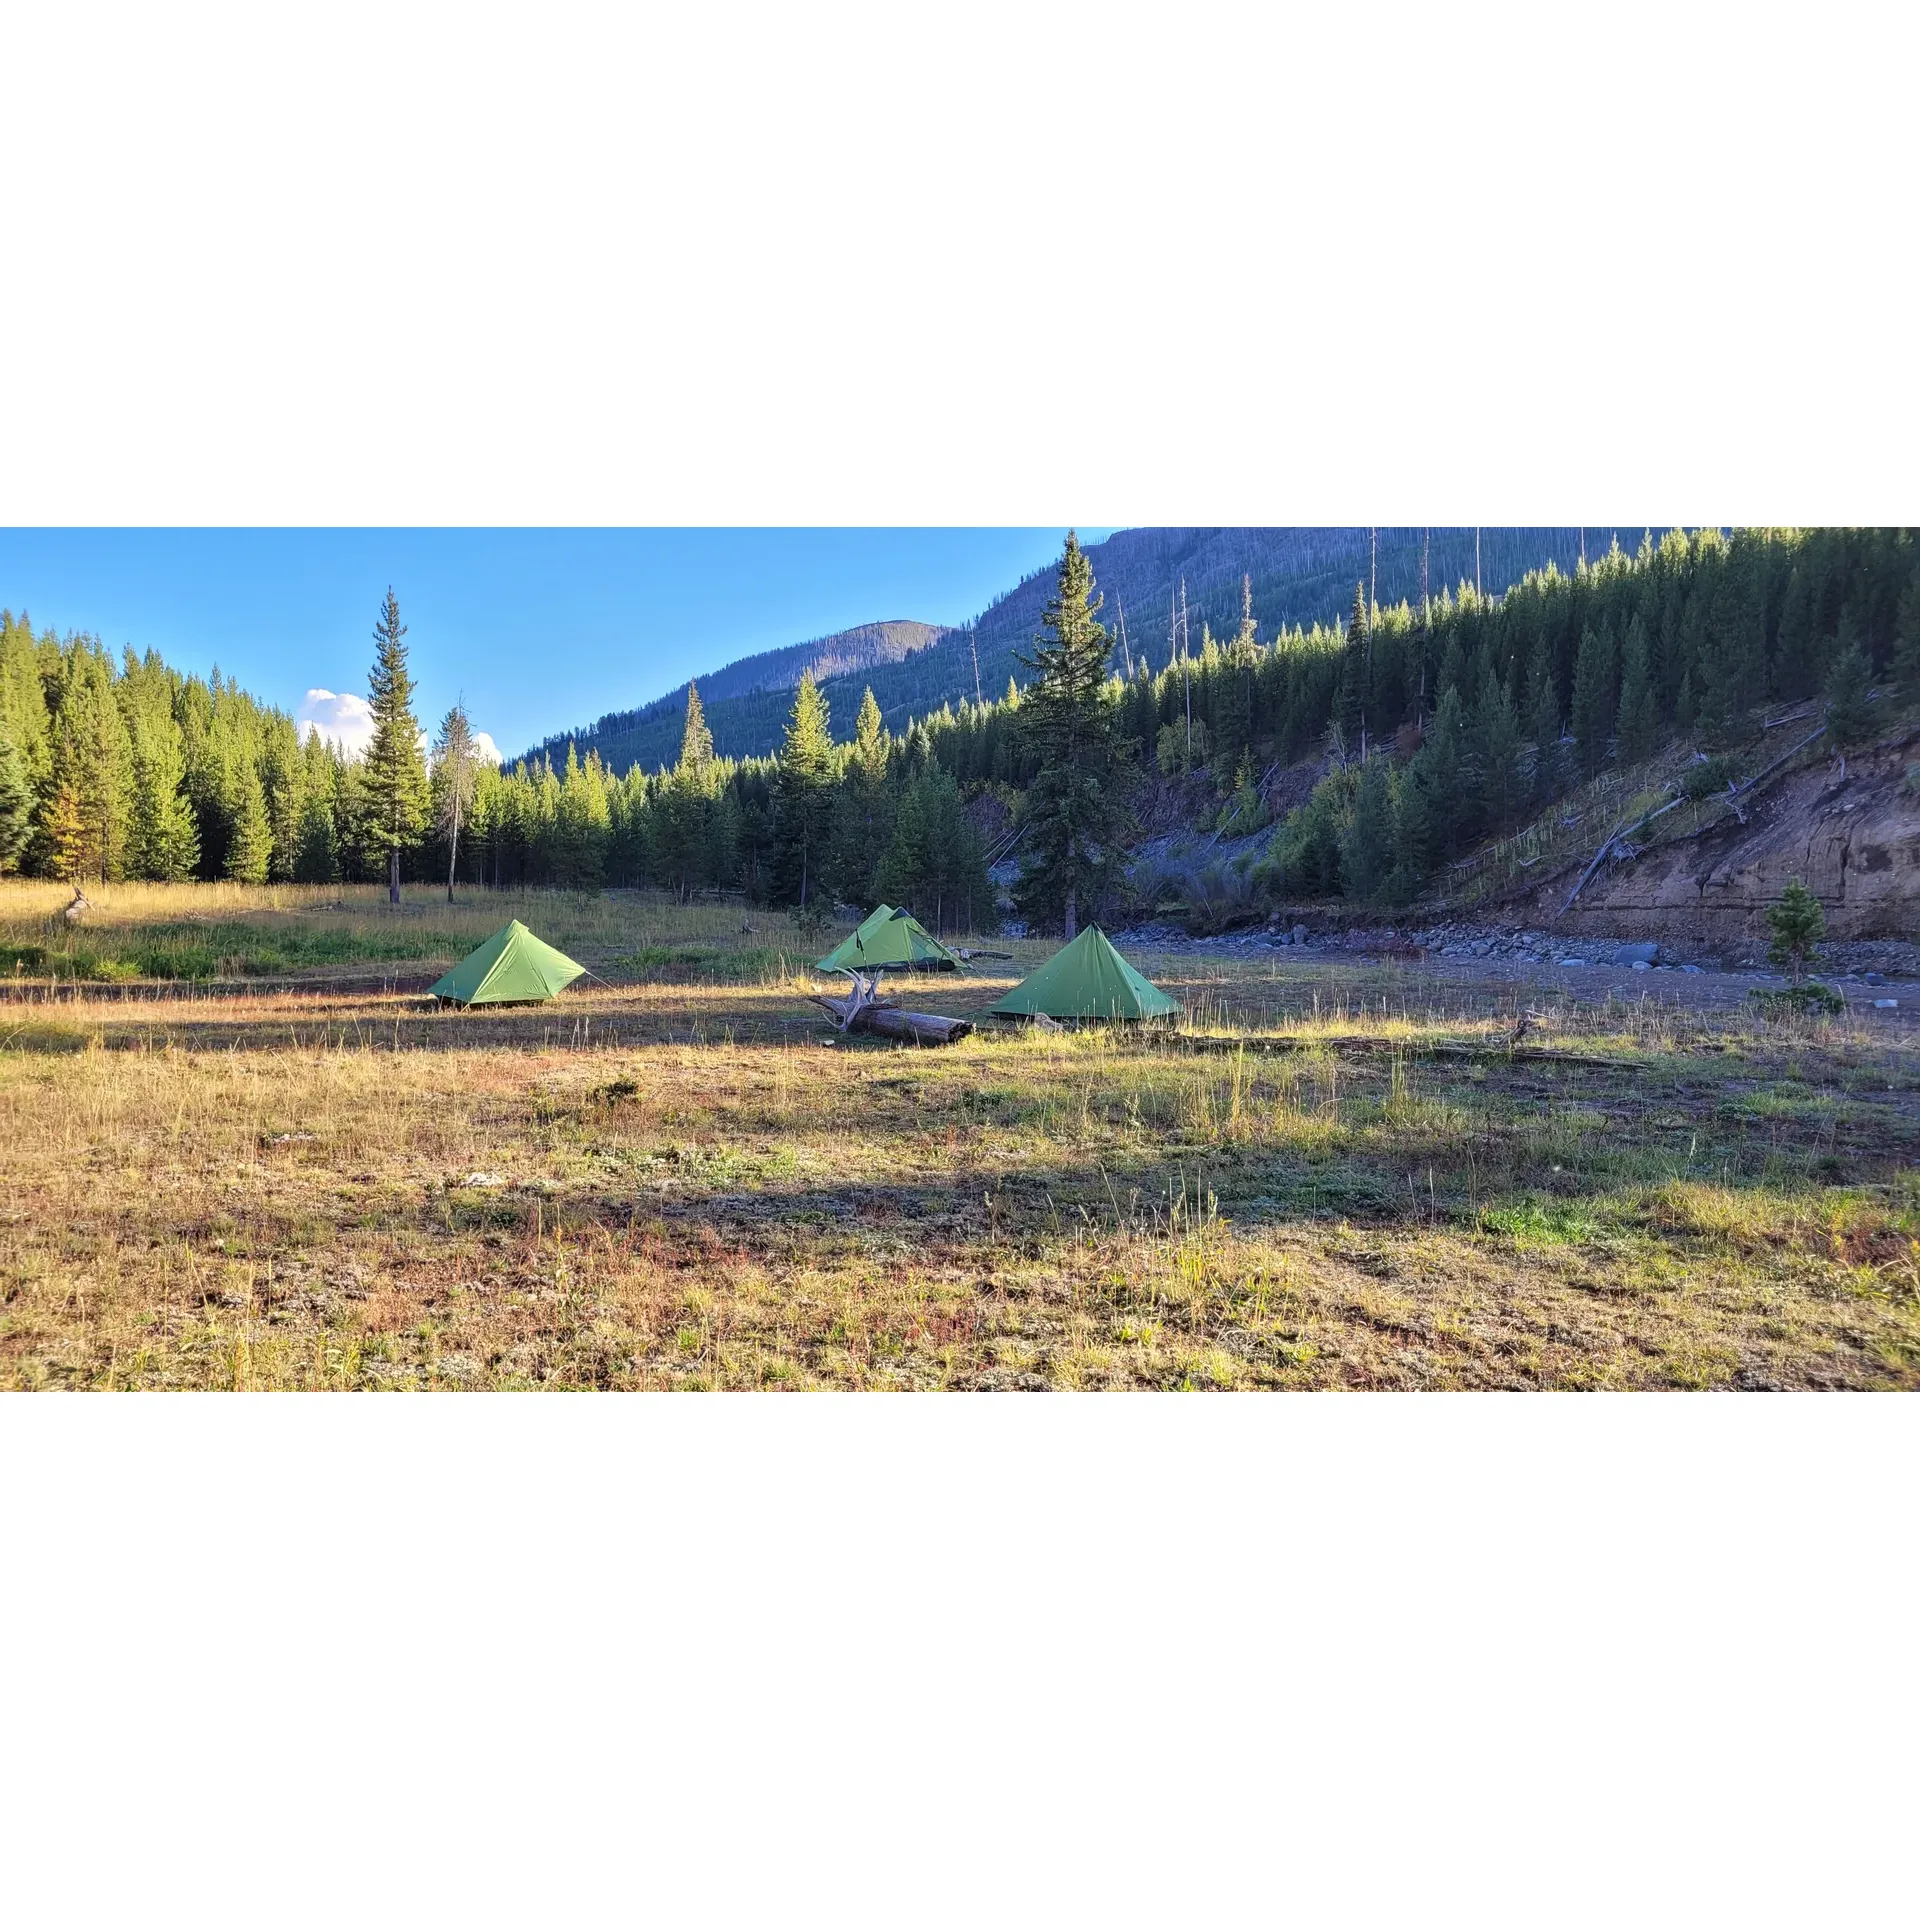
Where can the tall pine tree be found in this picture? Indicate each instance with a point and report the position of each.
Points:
(394, 789)
(250, 846)
(1367, 848)
(1543, 722)
(696, 742)
(864, 825)
(1593, 698)
(1351, 711)
(1495, 746)
(164, 838)
(803, 812)
(1638, 725)
(1074, 812)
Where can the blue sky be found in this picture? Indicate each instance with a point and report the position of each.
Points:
(538, 629)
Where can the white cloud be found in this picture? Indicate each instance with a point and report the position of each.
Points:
(347, 718)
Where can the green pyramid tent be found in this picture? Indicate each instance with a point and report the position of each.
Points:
(1086, 980)
(888, 937)
(513, 966)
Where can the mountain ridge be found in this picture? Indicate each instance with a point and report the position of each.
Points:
(1299, 575)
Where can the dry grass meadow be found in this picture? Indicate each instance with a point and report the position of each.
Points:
(239, 1149)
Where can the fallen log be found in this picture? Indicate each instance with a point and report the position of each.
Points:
(893, 1023)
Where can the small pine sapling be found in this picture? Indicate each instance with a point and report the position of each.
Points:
(1798, 925)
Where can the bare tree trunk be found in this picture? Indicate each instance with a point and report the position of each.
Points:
(1186, 673)
(393, 876)
(1073, 918)
(1477, 588)
(1426, 618)
(453, 851)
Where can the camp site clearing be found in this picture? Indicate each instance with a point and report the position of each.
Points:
(243, 1144)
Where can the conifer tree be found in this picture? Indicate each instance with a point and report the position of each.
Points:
(1797, 923)
(164, 837)
(1074, 812)
(1441, 769)
(250, 846)
(696, 742)
(1906, 647)
(863, 827)
(92, 759)
(934, 865)
(16, 805)
(1495, 750)
(1849, 717)
(1413, 835)
(1793, 665)
(1543, 723)
(316, 847)
(1685, 707)
(394, 771)
(1593, 698)
(1367, 848)
(582, 823)
(1233, 712)
(316, 857)
(1351, 711)
(724, 828)
(1637, 728)
(282, 776)
(64, 829)
(803, 815)
(23, 699)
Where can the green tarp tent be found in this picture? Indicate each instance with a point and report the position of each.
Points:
(1086, 980)
(888, 937)
(513, 965)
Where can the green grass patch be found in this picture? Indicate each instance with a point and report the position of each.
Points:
(1538, 1222)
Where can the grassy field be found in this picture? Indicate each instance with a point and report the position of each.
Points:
(238, 1149)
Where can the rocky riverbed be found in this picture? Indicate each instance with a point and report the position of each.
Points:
(1881, 976)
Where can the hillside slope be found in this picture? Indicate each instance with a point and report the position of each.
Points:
(1299, 575)
(1849, 827)
(745, 697)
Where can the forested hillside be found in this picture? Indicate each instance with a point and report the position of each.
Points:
(1300, 575)
(746, 700)
(1440, 722)
(130, 769)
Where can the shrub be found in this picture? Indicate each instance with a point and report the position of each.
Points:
(1704, 778)
(1849, 717)
(1813, 1000)
(1220, 896)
